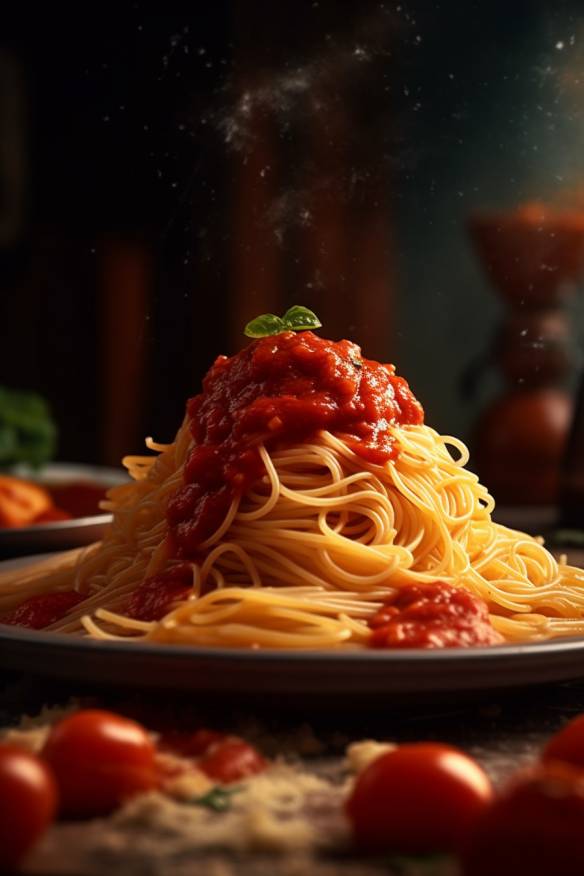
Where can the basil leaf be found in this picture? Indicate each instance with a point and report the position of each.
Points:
(265, 325)
(218, 799)
(298, 318)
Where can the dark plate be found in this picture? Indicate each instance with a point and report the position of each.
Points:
(62, 534)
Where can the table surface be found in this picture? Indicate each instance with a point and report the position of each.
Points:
(503, 732)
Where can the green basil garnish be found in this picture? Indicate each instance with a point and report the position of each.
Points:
(300, 318)
(218, 799)
(296, 319)
(265, 325)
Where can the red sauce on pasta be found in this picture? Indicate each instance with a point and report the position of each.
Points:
(42, 610)
(435, 615)
(281, 389)
(156, 595)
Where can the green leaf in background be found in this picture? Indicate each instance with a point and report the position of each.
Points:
(263, 326)
(27, 431)
(300, 318)
(296, 319)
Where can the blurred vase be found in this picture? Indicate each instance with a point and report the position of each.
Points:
(534, 255)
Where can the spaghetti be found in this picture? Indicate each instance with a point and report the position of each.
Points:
(301, 533)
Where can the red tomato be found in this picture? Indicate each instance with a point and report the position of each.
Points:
(535, 827)
(568, 744)
(28, 802)
(194, 744)
(100, 759)
(419, 798)
(231, 760)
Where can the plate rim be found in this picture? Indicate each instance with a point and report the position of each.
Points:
(493, 653)
(476, 654)
(56, 525)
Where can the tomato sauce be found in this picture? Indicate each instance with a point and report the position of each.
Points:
(156, 595)
(53, 515)
(280, 390)
(435, 615)
(77, 499)
(42, 610)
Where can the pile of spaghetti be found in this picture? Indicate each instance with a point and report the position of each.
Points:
(303, 504)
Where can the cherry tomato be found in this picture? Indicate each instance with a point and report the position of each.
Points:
(28, 802)
(535, 827)
(567, 744)
(194, 744)
(418, 798)
(231, 760)
(100, 759)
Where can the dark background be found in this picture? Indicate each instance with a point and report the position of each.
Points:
(168, 174)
